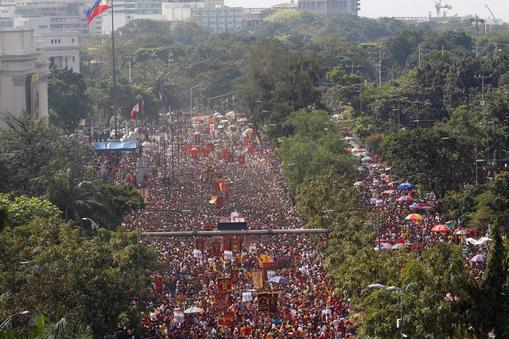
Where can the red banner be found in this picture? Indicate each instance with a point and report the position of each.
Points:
(227, 243)
(158, 284)
(224, 285)
(215, 249)
(219, 202)
(220, 302)
(226, 319)
(200, 244)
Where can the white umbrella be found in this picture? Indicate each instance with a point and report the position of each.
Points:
(279, 280)
(193, 310)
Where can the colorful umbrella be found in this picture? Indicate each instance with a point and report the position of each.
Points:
(479, 258)
(358, 184)
(441, 229)
(405, 186)
(405, 199)
(461, 232)
(414, 217)
(421, 206)
(193, 310)
(398, 246)
(279, 280)
(366, 159)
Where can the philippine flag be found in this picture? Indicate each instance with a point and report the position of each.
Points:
(96, 8)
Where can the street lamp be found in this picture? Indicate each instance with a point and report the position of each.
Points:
(9, 318)
(399, 322)
(191, 97)
(485, 160)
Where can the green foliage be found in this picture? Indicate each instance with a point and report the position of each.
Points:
(117, 200)
(67, 98)
(48, 266)
(278, 81)
(31, 149)
(313, 149)
(19, 210)
(430, 157)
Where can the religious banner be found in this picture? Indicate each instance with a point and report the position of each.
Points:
(220, 302)
(258, 279)
(234, 275)
(224, 285)
(200, 244)
(158, 284)
(263, 301)
(269, 265)
(219, 202)
(236, 244)
(227, 243)
(215, 249)
(273, 301)
(226, 319)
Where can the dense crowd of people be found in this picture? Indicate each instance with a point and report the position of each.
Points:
(408, 220)
(215, 170)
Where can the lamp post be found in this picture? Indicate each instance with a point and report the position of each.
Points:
(9, 318)
(191, 97)
(399, 322)
(477, 161)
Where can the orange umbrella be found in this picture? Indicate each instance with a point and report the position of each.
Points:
(414, 217)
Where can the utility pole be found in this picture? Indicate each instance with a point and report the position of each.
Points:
(420, 54)
(477, 20)
(129, 64)
(483, 78)
(380, 67)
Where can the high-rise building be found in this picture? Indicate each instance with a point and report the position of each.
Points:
(23, 74)
(55, 15)
(330, 7)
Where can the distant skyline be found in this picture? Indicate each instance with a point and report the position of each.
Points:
(401, 8)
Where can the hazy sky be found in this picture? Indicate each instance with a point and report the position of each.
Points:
(377, 8)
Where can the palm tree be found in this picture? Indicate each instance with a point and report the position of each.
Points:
(43, 329)
(74, 199)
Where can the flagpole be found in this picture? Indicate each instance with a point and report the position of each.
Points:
(114, 75)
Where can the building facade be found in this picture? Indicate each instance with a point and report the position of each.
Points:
(330, 7)
(59, 49)
(23, 75)
(219, 19)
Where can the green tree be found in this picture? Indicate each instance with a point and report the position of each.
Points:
(431, 157)
(49, 268)
(76, 199)
(21, 209)
(68, 101)
(495, 288)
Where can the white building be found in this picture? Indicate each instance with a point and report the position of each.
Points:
(219, 19)
(180, 11)
(212, 14)
(59, 49)
(23, 74)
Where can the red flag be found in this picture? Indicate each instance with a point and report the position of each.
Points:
(134, 111)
